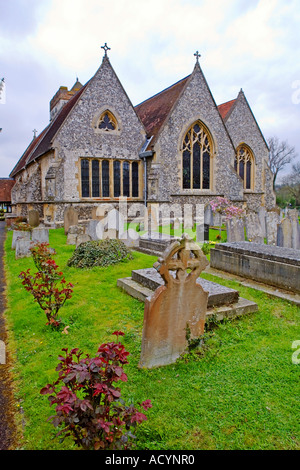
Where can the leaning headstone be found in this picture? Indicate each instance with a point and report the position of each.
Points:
(272, 222)
(70, 218)
(176, 310)
(17, 234)
(253, 228)
(40, 235)
(235, 229)
(33, 218)
(23, 248)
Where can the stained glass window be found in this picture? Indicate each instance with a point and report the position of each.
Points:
(243, 165)
(107, 121)
(85, 178)
(135, 179)
(126, 179)
(117, 189)
(196, 158)
(95, 179)
(105, 178)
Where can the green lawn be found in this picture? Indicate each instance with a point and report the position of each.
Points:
(241, 391)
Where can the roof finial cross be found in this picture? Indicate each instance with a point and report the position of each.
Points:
(197, 55)
(34, 133)
(106, 48)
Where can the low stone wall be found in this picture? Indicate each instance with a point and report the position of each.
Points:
(271, 265)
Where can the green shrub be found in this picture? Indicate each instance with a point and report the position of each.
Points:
(99, 253)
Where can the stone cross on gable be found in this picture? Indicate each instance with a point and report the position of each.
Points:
(106, 48)
(34, 133)
(197, 55)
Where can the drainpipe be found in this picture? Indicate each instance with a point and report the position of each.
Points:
(144, 156)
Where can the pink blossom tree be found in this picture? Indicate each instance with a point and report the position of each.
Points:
(225, 208)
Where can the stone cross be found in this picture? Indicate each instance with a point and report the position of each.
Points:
(106, 48)
(177, 308)
(197, 55)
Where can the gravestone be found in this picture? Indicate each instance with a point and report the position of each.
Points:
(82, 238)
(114, 223)
(33, 218)
(217, 219)
(202, 233)
(176, 308)
(176, 224)
(40, 235)
(262, 213)
(91, 229)
(208, 215)
(272, 222)
(284, 233)
(235, 229)
(70, 218)
(295, 228)
(73, 232)
(150, 219)
(253, 228)
(130, 238)
(17, 234)
(22, 248)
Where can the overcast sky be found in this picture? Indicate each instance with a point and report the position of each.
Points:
(248, 44)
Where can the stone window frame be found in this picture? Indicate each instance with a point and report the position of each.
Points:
(247, 156)
(111, 179)
(208, 134)
(114, 116)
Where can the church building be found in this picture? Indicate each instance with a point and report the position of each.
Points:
(176, 148)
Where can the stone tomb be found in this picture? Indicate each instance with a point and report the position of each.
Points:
(164, 333)
(272, 265)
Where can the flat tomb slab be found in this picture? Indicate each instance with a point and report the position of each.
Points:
(219, 312)
(272, 265)
(217, 294)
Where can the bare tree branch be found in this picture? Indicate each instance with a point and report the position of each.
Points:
(281, 153)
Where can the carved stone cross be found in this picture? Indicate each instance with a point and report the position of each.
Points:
(197, 55)
(106, 48)
(176, 307)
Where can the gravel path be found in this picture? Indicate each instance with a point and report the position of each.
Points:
(6, 414)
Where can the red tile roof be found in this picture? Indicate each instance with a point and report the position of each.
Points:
(225, 108)
(154, 111)
(6, 185)
(43, 142)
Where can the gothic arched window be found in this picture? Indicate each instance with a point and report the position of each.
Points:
(107, 121)
(244, 165)
(196, 158)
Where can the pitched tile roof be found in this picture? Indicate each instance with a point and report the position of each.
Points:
(43, 142)
(225, 108)
(6, 185)
(154, 111)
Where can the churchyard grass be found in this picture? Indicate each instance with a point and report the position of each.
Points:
(240, 391)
